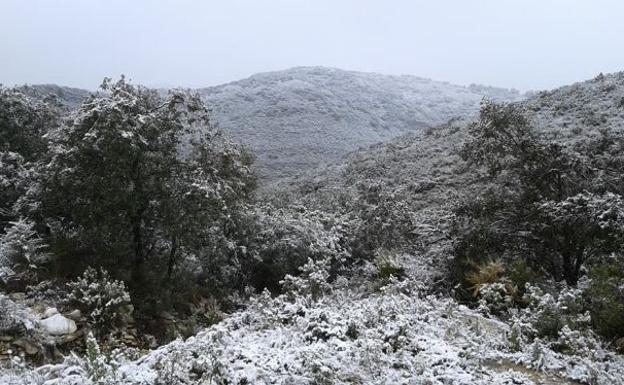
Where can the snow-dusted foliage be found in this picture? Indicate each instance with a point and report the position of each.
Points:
(99, 296)
(582, 109)
(139, 184)
(24, 121)
(396, 336)
(22, 250)
(287, 238)
(356, 258)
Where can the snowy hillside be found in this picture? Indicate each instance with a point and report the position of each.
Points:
(70, 97)
(303, 117)
(377, 301)
(582, 108)
(427, 164)
(424, 168)
(298, 119)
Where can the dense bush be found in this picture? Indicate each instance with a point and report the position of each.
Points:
(286, 239)
(23, 252)
(100, 298)
(23, 123)
(548, 204)
(605, 299)
(383, 222)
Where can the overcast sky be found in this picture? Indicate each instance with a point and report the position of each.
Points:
(526, 44)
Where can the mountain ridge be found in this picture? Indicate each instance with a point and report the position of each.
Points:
(304, 117)
(309, 116)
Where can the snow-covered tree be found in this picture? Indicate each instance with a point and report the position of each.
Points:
(544, 202)
(137, 181)
(574, 230)
(23, 124)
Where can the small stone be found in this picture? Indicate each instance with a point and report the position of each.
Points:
(68, 338)
(50, 312)
(58, 325)
(28, 347)
(166, 316)
(74, 315)
(19, 296)
(619, 344)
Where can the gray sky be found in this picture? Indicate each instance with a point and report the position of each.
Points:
(526, 44)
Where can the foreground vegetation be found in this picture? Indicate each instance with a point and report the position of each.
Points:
(141, 223)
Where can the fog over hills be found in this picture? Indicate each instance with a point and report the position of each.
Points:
(297, 119)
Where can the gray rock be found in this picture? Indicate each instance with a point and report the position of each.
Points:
(50, 312)
(75, 315)
(58, 325)
(19, 296)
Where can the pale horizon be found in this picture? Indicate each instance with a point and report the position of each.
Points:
(526, 45)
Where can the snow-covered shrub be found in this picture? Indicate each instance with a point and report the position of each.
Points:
(22, 251)
(491, 287)
(96, 364)
(496, 297)
(387, 266)
(13, 171)
(289, 238)
(100, 297)
(312, 282)
(383, 222)
(581, 342)
(547, 314)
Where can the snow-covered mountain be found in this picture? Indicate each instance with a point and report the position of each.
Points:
(426, 164)
(304, 117)
(70, 97)
(425, 169)
(301, 118)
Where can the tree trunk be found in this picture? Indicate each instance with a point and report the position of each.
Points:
(572, 266)
(139, 257)
(172, 256)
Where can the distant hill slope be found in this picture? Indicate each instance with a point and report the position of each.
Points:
(71, 97)
(430, 158)
(425, 168)
(304, 117)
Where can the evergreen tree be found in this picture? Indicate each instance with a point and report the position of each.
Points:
(137, 182)
(556, 206)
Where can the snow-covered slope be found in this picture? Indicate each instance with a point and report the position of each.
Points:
(425, 165)
(424, 168)
(304, 117)
(397, 335)
(298, 119)
(70, 97)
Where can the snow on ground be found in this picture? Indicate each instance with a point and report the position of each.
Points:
(397, 335)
